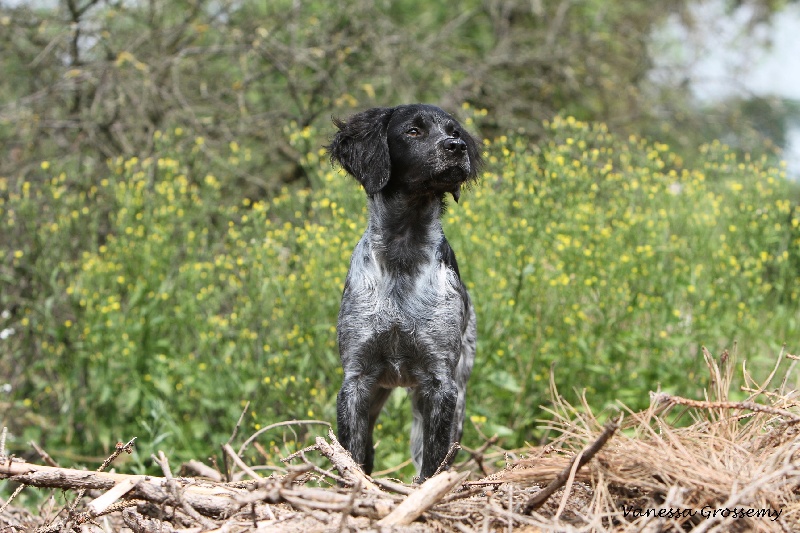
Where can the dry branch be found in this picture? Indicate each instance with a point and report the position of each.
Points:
(663, 398)
(448, 458)
(343, 462)
(577, 462)
(428, 495)
(97, 506)
(209, 499)
(718, 461)
(202, 469)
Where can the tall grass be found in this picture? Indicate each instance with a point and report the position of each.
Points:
(155, 303)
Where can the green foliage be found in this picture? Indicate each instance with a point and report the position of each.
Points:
(157, 305)
(92, 79)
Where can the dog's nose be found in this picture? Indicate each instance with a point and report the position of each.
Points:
(453, 144)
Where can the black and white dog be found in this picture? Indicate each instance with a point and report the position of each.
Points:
(406, 319)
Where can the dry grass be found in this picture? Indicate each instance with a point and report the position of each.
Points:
(681, 465)
(732, 456)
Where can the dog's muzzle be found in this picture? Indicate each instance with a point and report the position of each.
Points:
(455, 145)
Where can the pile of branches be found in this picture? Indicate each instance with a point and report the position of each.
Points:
(734, 467)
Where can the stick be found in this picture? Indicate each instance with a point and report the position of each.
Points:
(11, 498)
(349, 507)
(210, 499)
(576, 464)
(392, 469)
(451, 454)
(203, 470)
(127, 447)
(538, 499)
(238, 423)
(172, 487)
(255, 435)
(477, 455)
(299, 453)
(43, 454)
(428, 495)
(392, 486)
(101, 503)
(343, 462)
(238, 461)
(142, 524)
(664, 398)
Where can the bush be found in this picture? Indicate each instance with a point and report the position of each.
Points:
(151, 305)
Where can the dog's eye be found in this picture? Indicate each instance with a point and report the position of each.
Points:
(456, 134)
(414, 132)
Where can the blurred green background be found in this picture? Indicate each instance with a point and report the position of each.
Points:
(174, 239)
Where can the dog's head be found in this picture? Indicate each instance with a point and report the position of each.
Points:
(418, 149)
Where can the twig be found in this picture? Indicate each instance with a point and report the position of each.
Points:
(202, 469)
(510, 508)
(538, 499)
(451, 454)
(344, 463)
(88, 516)
(428, 494)
(393, 469)
(143, 524)
(477, 455)
(295, 472)
(172, 487)
(43, 454)
(255, 435)
(349, 507)
(4, 457)
(763, 387)
(392, 486)
(299, 453)
(463, 493)
(118, 450)
(238, 423)
(238, 461)
(108, 498)
(667, 399)
(229, 471)
(576, 464)
(322, 472)
(10, 498)
(494, 483)
(213, 499)
(772, 395)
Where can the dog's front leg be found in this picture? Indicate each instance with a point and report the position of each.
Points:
(352, 417)
(435, 400)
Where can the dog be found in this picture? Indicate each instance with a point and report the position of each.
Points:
(406, 319)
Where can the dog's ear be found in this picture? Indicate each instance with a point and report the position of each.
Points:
(475, 155)
(361, 147)
(475, 161)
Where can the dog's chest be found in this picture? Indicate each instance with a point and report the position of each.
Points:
(401, 314)
(407, 300)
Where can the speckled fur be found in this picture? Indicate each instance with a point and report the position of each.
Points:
(406, 319)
